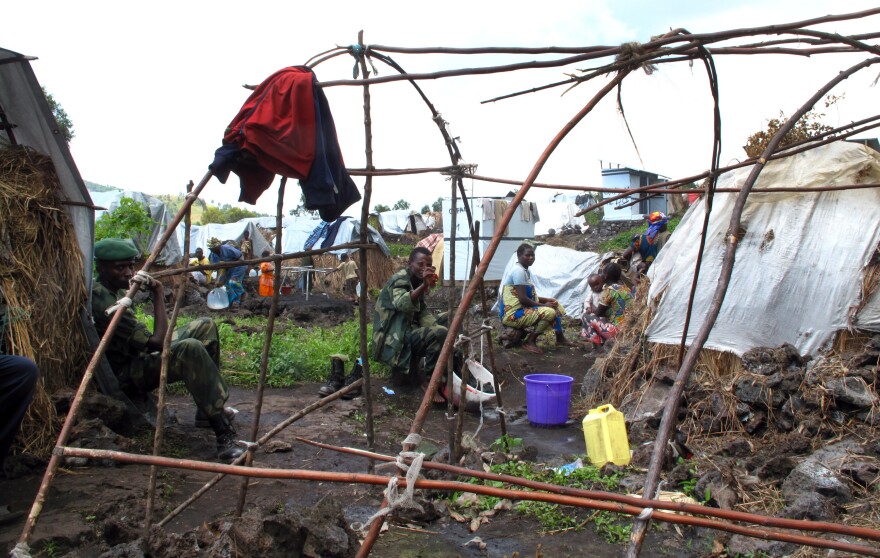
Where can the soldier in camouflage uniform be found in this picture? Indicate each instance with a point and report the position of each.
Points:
(403, 328)
(134, 352)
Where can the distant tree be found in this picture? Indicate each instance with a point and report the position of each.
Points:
(809, 125)
(380, 208)
(425, 209)
(129, 220)
(401, 204)
(437, 205)
(225, 214)
(212, 214)
(300, 210)
(65, 125)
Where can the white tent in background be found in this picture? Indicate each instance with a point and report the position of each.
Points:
(297, 231)
(555, 215)
(484, 211)
(199, 235)
(560, 273)
(799, 265)
(173, 250)
(401, 221)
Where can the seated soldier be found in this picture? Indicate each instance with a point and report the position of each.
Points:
(522, 308)
(403, 328)
(134, 353)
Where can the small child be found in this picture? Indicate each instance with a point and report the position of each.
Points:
(591, 304)
(267, 276)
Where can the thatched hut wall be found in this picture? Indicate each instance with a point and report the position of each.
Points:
(379, 268)
(41, 278)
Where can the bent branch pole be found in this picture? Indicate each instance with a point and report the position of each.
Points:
(733, 231)
(267, 344)
(365, 213)
(695, 509)
(158, 437)
(454, 486)
(55, 461)
(265, 438)
(602, 53)
(457, 320)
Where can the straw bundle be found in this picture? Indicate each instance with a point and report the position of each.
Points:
(42, 283)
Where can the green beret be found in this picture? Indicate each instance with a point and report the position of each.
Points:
(115, 249)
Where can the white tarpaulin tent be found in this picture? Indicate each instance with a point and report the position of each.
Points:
(24, 106)
(555, 215)
(199, 235)
(401, 221)
(483, 211)
(560, 273)
(298, 229)
(799, 265)
(171, 253)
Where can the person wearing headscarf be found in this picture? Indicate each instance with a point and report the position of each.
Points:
(233, 276)
(645, 247)
(521, 308)
(135, 353)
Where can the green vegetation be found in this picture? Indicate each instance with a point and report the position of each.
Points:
(622, 240)
(400, 204)
(400, 250)
(553, 517)
(65, 125)
(380, 208)
(437, 205)
(129, 220)
(297, 354)
(225, 214)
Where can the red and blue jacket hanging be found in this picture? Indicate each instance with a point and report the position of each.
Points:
(285, 127)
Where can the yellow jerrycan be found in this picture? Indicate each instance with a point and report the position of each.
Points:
(605, 436)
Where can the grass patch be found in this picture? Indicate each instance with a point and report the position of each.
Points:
(553, 517)
(622, 240)
(400, 250)
(297, 354)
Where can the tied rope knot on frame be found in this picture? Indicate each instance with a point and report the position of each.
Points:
(144, 281)
(396, 499)
(359, 52)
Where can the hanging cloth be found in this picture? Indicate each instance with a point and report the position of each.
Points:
(285, 127)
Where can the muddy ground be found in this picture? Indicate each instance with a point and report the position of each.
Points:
(94, 508)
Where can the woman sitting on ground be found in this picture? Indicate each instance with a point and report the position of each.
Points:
(604, 324)
(521, 307)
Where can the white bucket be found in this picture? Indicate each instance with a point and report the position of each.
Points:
(218, 299)
(474, 397)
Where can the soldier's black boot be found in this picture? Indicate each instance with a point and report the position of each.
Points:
(356, 374)
(336, 379)
(227, 446)
(202, 418)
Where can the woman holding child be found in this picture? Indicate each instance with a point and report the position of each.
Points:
(604, 307)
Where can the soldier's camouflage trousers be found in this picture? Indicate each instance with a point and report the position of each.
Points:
(195, 361)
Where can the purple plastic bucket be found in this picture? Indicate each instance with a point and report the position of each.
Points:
(547, 398)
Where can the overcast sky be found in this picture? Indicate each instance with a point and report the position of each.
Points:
(150, 87)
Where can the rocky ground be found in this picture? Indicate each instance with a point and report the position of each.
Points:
(773, 433)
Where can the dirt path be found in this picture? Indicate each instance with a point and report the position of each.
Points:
(92, 507)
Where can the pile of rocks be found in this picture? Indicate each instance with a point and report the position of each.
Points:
(797, 432)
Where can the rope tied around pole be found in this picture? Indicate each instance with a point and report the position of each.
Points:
(646, 514)
(631, 51)
(360, 52)
(21, 550)
(396, 499)
(144, 281)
